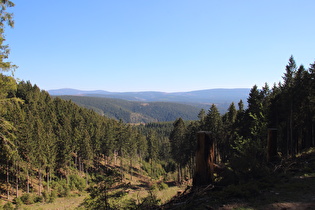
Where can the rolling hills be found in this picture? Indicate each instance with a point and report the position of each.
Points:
(135, 111)
(152, 106)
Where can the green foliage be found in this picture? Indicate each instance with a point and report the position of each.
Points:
(77, 182)
(149, 202)
(177, 137)
(53, 196)
(162, 186)
(248, 159)
(61, 188)
(46, 196)
(136, 112)
(101, 197)
(154, 170)
(38, 199)
(8, 206)
(154, 187)
(18, 202)
(27, 198)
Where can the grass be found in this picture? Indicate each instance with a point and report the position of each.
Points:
(70, 203)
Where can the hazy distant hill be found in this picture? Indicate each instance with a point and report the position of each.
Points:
(216, 96)
(153, 106)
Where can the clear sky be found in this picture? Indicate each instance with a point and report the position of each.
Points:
(159, 45)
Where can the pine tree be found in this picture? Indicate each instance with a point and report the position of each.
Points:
(177, 137)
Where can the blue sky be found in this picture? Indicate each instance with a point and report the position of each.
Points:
(159, 45)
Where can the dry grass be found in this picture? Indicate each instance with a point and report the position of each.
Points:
(59, 204)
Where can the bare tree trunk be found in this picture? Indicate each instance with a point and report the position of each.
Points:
(8, 181)
(115, 157)
(40, 181)
(152, 173)
(130, 168)
(87, 175)
(17, 179)
(291, 131)
(76, 160)
(313, 135)
(288, 141)
(179, 175)
(272, 144)
(27, 180)
(47, 179)
(80, 169)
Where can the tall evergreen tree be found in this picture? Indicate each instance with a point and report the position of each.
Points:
(177, 137)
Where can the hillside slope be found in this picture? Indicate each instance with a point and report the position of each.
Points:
(291, 185)
(135, 111)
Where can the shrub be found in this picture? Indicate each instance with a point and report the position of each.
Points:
(27, 199)
(154, 171)
(77, 182)
(18, 202)
(8, 206)
(61, 187)
(154, 187)
(163, 186)
(149, 202)
(53, 196)
(64, 191)
(38, 199)
(45, 196)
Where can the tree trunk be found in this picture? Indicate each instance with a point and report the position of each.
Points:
(80, 168)
(27, 180)
(291, 130)
(115, 157)
(204, 159)
(40, 181)
(87, 175)
(272, 145)
(47, 179)
(17, 179)
(313, 135)
(76, 160)
(179, 174)
(8, 181)
(151, 167)
(130, 168)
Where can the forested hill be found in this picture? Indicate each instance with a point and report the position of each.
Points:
(152, 106)
(135, 111)
(210, 96)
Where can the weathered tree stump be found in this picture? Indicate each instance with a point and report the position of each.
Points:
(204, 159)
(272, 145)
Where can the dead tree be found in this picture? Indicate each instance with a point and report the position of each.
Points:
(204, 159)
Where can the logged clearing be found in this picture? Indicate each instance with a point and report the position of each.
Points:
(138, 186)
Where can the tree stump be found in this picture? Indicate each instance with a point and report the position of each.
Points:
(204, 159)
(272, 145)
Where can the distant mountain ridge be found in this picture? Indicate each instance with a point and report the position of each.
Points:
(209, 96)
(153, 106)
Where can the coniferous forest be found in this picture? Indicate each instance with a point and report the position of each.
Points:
(51, 147)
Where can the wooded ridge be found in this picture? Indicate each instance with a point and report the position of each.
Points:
(135, 111)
